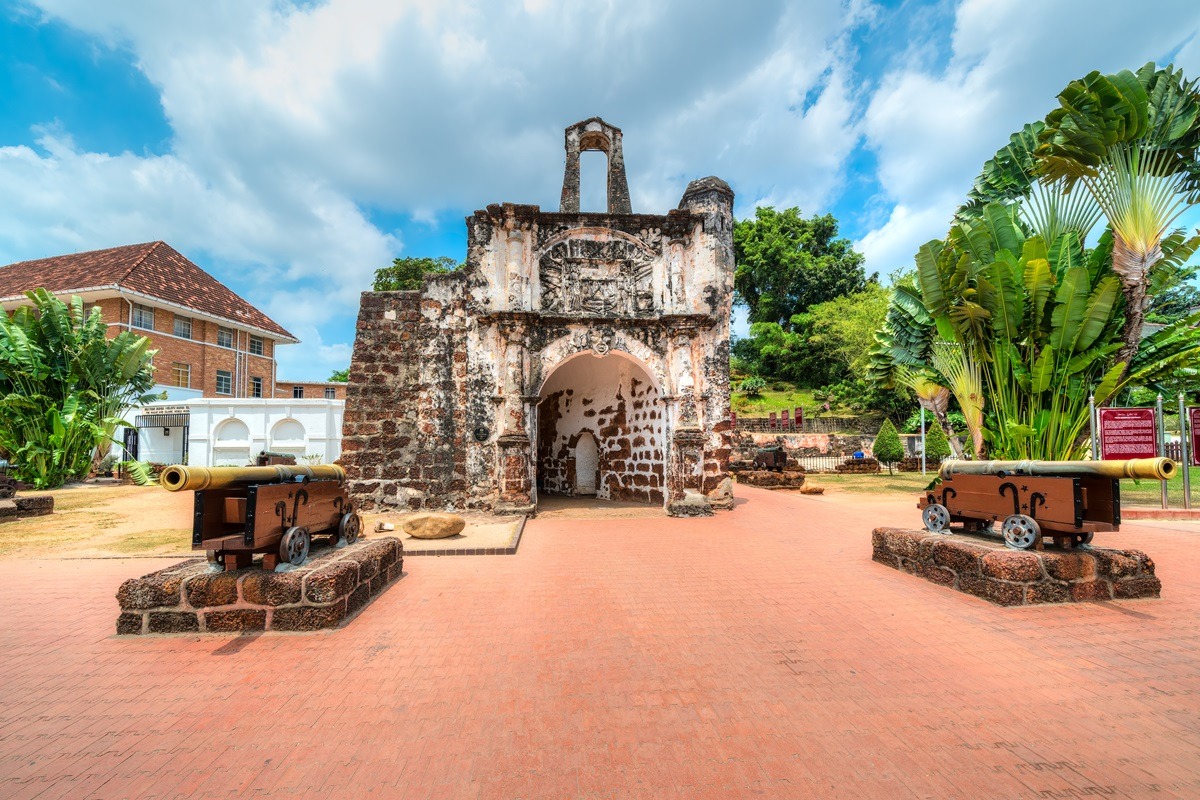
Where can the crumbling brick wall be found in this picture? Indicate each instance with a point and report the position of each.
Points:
(404, 441)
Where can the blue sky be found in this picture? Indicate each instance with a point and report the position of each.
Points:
(292, 148)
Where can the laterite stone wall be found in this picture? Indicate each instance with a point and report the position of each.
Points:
(188, 598)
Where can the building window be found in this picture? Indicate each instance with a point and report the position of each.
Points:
(183, 327)
(256, 345)
(330, 393)
(143, 317)
(256, 387)
(224, 382)
(224, 337)
(181, 374)
(298, 392)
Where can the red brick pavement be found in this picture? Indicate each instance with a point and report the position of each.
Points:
(760, 652)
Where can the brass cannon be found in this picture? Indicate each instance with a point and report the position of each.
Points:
(240, 511)
(1068, 500)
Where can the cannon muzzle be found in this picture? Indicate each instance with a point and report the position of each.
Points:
(1137, 468)
(180, 478)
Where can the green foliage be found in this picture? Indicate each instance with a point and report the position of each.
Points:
(786, 264)
(913, 423)
(407, 274)
(64, 386)
(752, 387)
(140, 472)
(1014, 297)
(888, 449)
(845, 326)
(861, 396)
(937, 446)
(340, 375)
(107, 463)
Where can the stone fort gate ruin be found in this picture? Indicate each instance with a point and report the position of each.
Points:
(576, 353)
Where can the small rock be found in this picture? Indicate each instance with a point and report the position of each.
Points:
(812, 488)
(433, 526)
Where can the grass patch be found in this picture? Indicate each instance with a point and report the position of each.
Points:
(1149, 493)
(773, 399)
(901, 483)
(1133, 493)
(147, 541)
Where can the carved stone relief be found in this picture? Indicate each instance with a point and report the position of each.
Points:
(597, 278)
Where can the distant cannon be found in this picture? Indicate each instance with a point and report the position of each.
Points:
(1069, 500)
(772, 457)
(240, 511)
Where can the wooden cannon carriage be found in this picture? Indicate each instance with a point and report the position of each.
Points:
(1069, 501)
(240, 511)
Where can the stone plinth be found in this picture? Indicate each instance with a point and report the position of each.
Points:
(189, 598)
(37, 505)
(984, 567)
(769, 479)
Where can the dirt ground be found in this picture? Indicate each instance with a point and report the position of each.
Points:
(96, 521)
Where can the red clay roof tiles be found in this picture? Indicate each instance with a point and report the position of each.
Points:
(154, 268)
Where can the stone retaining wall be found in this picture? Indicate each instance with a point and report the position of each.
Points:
(39, 505)
(331, 586)
(984, 567)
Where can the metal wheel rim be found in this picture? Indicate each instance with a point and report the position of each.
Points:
(350, 526)
(936, 517)
(1020, 532)
(295, 546)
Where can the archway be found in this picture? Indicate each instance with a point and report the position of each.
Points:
(601, 415)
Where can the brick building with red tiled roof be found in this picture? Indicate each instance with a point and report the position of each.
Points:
(210, 342)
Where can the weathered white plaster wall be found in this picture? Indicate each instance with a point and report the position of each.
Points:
(616, 401)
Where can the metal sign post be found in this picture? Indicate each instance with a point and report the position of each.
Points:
(1184, 455)
(923, 439)
(1094, 427)
(1162, 444)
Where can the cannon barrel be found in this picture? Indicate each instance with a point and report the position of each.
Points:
(180, 478)
(1138, 468)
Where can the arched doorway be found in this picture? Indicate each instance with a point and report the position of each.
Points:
(600, 428)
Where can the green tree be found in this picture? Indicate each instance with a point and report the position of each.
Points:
(340, 375)
(786, 263)
(846, 325)
(937, 446)
(407, 274)
(1131, 142)
(888, 449)
(64, 386)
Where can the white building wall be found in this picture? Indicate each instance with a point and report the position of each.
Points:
(232, 432)
(226, 432)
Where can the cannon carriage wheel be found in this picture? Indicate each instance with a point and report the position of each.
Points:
(350, 527)
(1021, 532)
(293, 547)
(936, 518)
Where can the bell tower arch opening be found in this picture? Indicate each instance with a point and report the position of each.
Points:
(595, 134)
(600, 430)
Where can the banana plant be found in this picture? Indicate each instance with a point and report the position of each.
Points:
(64, 386)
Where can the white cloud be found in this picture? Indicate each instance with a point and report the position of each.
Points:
(288, 121)
(933, 129)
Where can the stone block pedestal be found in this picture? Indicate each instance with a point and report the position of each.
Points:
(984, 567)
(189, 598)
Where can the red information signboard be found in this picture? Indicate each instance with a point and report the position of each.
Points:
(1128, 433)
(1194, 426)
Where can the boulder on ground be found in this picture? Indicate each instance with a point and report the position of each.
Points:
(433, 526)
(812, 488)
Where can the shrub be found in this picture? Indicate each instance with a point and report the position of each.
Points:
(937, 446)
(888, 448)
(752, 387)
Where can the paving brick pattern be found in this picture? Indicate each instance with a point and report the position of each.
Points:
(757, 653)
